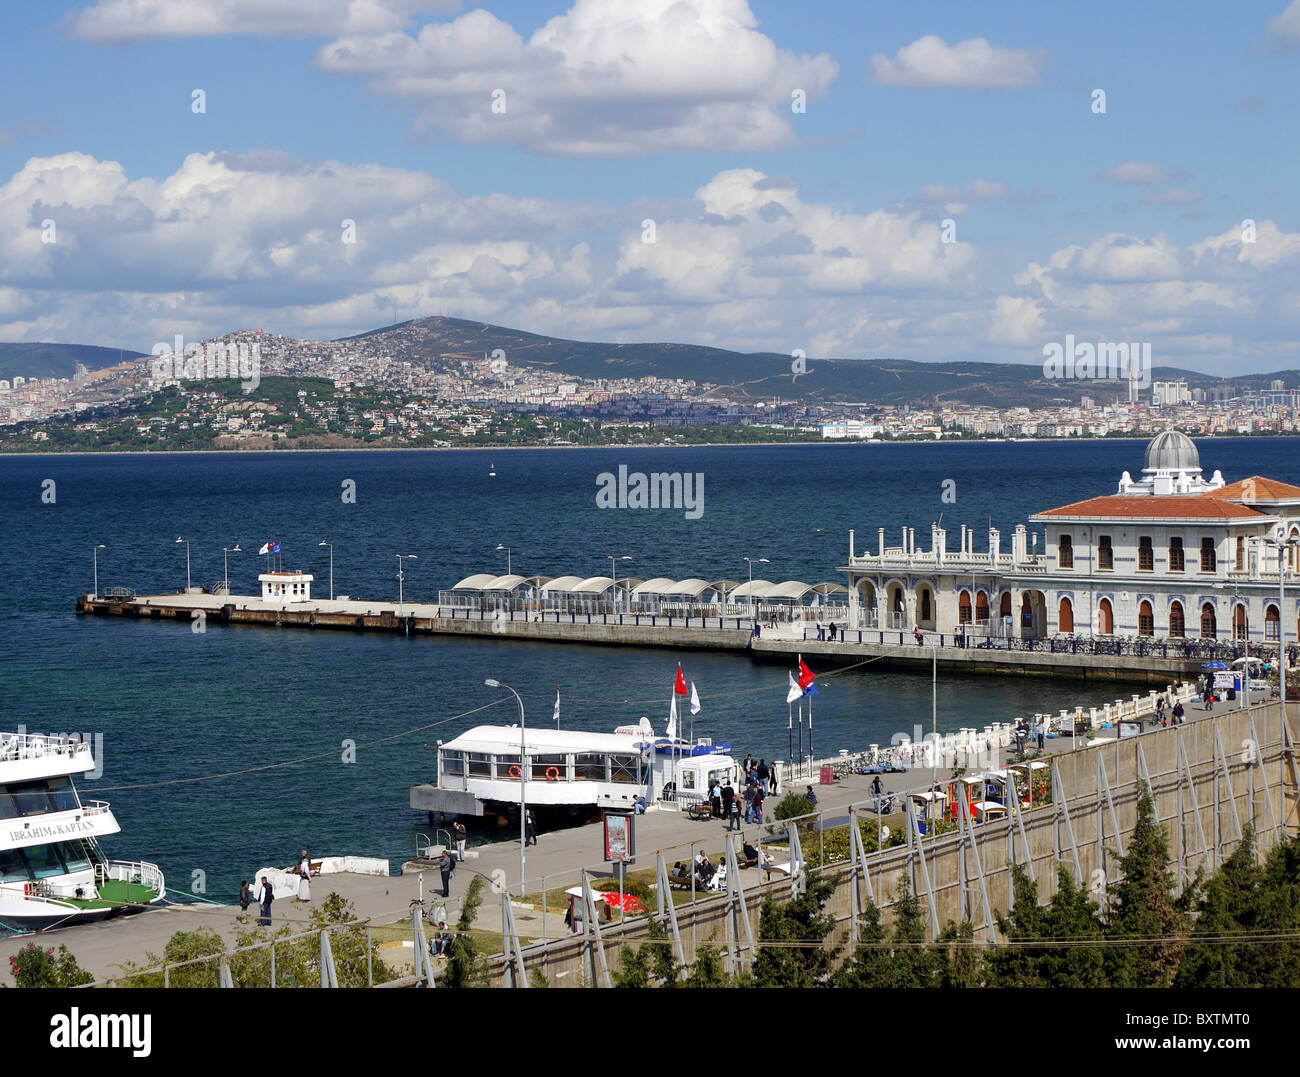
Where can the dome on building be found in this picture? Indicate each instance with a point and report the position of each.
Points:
(1172, 450)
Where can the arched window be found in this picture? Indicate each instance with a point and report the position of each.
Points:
(925, 604)
(1272, 623)
(1146, 556)
(1209, 562)
(963, 608)
(1105, 618)
(1065, 553)
(1146, 620)
(1176, 562)
(1065, 616)
(1239, 622)
(1105, 554)
(982, 606)
(1005, 608)
(1177, 624)
(1208, 628)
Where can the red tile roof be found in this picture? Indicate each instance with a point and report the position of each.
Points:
(1256, 488)
(1122, 506)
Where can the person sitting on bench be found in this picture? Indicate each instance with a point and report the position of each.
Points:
(811, 796)
(703, 869)
(750, 853)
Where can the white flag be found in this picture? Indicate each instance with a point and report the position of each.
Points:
(795, 691)
(264, 550)
(672, 718)
(695, 700)
(557, 706)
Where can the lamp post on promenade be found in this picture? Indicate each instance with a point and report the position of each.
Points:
(492, 682)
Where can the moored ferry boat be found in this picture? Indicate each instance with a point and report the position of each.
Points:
(569, 772)
(52, 871)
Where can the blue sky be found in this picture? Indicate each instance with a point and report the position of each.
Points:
(773, 230)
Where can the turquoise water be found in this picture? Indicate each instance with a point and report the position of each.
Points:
(171, 703)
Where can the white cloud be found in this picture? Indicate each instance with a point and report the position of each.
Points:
(1285, 28)
(980, 190)
(1140, 172)
(605, 78)
(931, 61)
(131, 20)
(1219, 304)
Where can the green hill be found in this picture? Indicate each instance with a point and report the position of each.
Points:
(56, 360)
(432, 341)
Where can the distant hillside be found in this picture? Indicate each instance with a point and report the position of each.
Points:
(56, 360)
(428, 341)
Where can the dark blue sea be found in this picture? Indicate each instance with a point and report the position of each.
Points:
(171, 703)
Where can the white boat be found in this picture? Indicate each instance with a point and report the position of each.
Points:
(568, 770)
(51, 869)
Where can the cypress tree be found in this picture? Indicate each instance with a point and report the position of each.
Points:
(1143, 908)
(1277, 964)
(802, 920)
(869, 964)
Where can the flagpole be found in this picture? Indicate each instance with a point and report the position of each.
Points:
(789, 734)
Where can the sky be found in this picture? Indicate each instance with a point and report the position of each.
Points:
(927, 181)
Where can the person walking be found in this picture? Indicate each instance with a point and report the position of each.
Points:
(732, 803)
(763, 773)
(776, 779)
(715, 797)
(1178, 713)
(245, 900)
(268, 896)
(530, 827)
(458, 832)
(304, 878)
(445, 867)
(1041, 730)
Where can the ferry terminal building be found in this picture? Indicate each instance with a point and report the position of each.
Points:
(1172, 555)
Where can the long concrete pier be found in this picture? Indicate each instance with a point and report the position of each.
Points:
(891, 648)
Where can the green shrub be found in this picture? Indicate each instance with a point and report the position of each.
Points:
(34, 966)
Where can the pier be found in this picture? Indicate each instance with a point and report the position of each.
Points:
(1151, 662)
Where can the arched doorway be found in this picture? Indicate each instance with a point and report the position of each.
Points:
(1239, 622)
(897, 606)
(1146, 620)
(1272, 624)
(1065, 616)
(866, 599)
(1105, 618)
(1177, 621)
(925, 607)
(1033, 615)
(1209, 629)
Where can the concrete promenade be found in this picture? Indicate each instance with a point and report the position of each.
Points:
(890, 648)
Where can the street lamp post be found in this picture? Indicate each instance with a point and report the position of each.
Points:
(187, 561)
(1245, 671)
(492, 682)
(1280, 543)
(95, 554)
(613, 567)
(331, 546)
(401, 577)
(228, 550)
(750, 561)
(507, 549)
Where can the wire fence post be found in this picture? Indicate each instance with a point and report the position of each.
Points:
(370, 960)
(272, 963)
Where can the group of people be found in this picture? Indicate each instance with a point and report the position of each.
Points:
(267, 893)
(828, 632)
(1174, 718)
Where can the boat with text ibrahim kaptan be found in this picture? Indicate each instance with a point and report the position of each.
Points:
(52, 872)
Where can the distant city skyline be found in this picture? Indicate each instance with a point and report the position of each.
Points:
(932, 182)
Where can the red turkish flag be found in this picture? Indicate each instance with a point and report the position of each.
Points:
(680, 687)
(806, 675)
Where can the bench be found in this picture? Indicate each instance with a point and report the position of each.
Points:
(680, 877)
